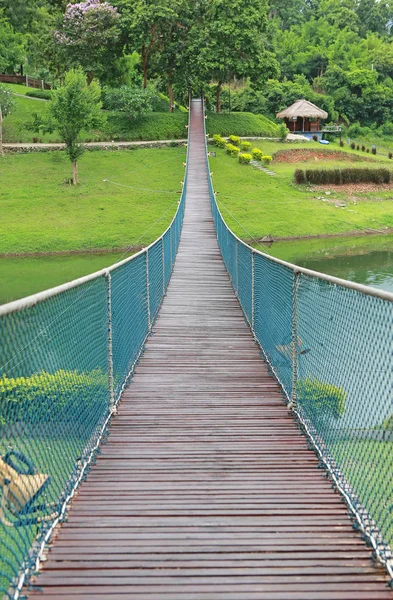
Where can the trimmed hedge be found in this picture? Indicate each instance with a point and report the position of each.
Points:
(342, 176)
(257, 154)
(43, 94)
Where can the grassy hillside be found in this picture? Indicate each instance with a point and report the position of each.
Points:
(155, 126)
(243, 124)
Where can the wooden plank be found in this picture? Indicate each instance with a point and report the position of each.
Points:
(206, 489)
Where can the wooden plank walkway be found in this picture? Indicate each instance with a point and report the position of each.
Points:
(206, 488)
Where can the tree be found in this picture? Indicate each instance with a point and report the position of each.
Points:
(7, 105)
(12, 48)
(145, 23)
(73, 107)
(227, 41)
(89, 36)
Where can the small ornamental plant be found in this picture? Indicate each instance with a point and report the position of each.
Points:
(390, 155)
(353, 145)
(234, 139)
(267, 159)
(321, 399)
(245, 146)
(245, 159)
(219, 141)
(257, 154)
(232, 150)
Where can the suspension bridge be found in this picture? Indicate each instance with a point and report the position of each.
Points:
(206, 485)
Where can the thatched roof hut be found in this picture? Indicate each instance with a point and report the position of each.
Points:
(302, 108)
(303, 117)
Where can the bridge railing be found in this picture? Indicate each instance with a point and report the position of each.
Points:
(330, 344)
(65, 357)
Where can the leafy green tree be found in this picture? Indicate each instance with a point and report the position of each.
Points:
(74, 107)
(21, 13)
(89, 36)
(145, 24)
(12, 48)
(227, 41)
(7, 105)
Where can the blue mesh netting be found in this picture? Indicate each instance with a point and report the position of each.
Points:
(273, 285)
(56, 391)
(129, 316)
(167, 257)
(341, 370)
(345, 387)
(53, 402)
(244, 258)
(156, 274)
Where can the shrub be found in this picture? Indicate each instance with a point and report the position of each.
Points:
(315, 138)
(363, 148)
(321, 398)
(257, 154)
(51, 396)
(373, 150)
(244, 158)
(358, 147)
(219, 141)
(234, 139)
(300, 176)
(342, 143)
(267, 159)
(232, 150)
(283, 132)
(132, 100)
(245, 145)
(353, 145)
(390, 155)
(43, 94)
(368, 150)
(343, 176)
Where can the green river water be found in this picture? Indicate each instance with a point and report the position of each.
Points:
(367, 260)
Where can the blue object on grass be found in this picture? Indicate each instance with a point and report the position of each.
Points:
(323, 142)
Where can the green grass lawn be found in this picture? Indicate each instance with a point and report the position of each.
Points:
(40, 213)
(255, 204)
(368, 467)
(21, 277)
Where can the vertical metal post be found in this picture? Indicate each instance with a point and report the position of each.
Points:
(295, 293)
(108, 279)
(148, 292)
(253, 292)
(163, 265)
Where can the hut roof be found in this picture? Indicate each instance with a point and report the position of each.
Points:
(302, 108)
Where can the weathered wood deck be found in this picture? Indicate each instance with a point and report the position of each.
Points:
(206, 488)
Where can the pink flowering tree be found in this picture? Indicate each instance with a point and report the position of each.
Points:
(89, 36)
